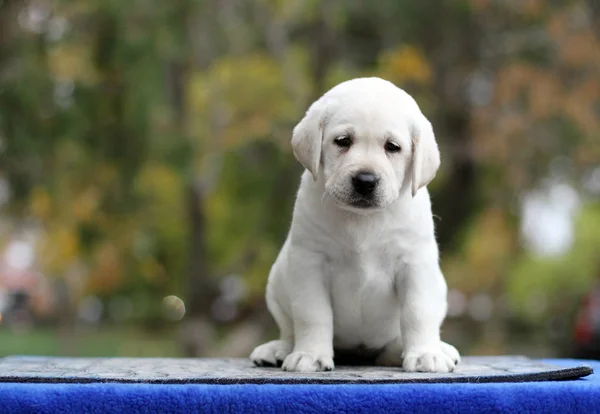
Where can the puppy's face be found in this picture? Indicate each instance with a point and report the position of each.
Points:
(365, 155)
(368, 141)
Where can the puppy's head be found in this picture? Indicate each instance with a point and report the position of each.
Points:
(368, 141)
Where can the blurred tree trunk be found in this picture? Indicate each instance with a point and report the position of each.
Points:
(8, 19)
(197, 334)
(594, 8)
(324, 46)
(9, 45)
(454, 60)
(198, 287)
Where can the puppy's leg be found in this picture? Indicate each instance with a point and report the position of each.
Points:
(311, 314)
(423, 307)
(274, 352)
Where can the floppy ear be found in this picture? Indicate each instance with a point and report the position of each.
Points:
(307, 138)
(425, 155)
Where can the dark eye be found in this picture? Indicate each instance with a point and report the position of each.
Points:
(391, 147)
(343, 141)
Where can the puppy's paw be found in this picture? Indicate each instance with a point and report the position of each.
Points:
(431, 359)
(450, 351)
(271, 354)
(307, 362)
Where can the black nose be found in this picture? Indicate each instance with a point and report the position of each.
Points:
(364, 183)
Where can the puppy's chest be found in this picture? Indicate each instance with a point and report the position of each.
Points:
(354, 269)
(367, 261)
(360, 282)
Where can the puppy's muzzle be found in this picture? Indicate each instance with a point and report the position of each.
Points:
(364, 184)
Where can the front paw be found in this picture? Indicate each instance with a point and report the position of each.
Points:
(450, 351)
(429, 359)
(271, 354)
(307, 362)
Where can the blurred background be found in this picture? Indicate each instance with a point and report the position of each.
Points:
(147, 182)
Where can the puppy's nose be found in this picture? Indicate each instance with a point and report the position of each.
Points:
(365, 182)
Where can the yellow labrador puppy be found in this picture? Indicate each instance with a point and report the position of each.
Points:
(359, 270)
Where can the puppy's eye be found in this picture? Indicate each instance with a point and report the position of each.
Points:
(343, 141)
(391, 147)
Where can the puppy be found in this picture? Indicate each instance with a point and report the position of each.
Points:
(359, 270)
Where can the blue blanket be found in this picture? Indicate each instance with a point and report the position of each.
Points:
(577, 396)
